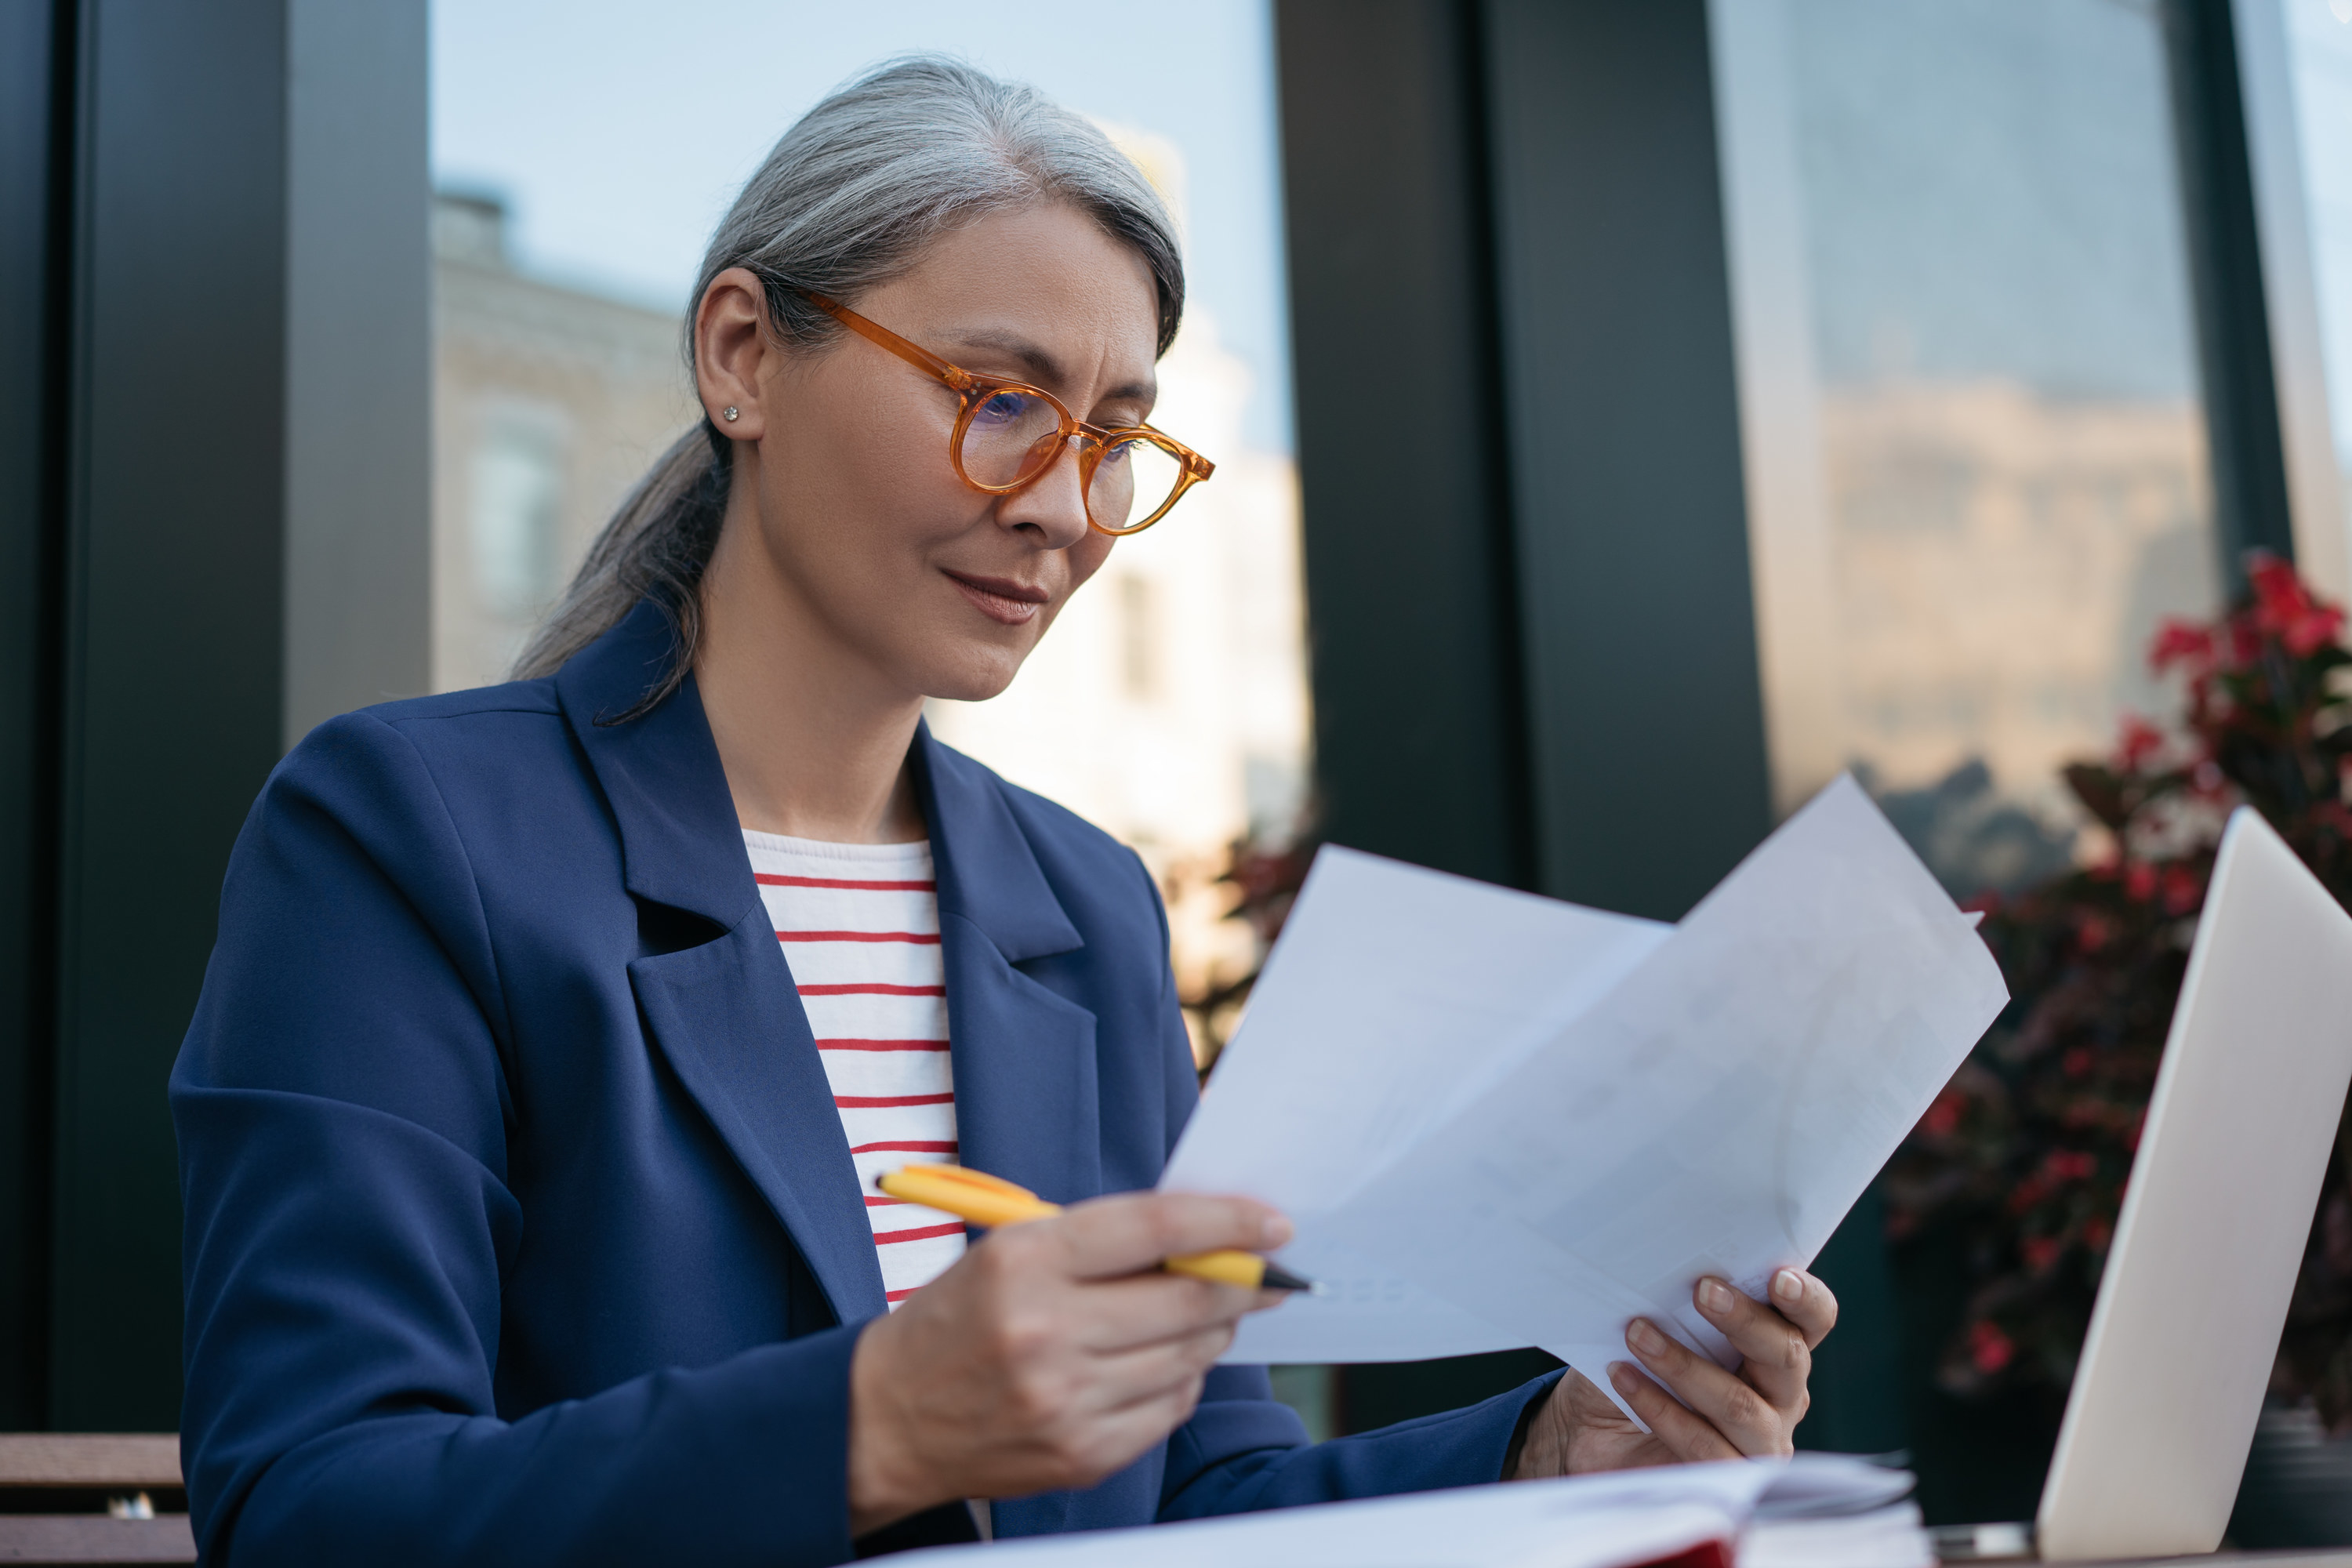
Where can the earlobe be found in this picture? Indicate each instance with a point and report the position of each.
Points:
(730, 347)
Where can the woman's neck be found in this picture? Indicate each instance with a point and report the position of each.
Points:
(815, 741)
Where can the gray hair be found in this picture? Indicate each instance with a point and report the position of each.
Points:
(847, 200)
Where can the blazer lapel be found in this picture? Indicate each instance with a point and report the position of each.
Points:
(1024, 1056)
(725, 1013)
(728, 1019)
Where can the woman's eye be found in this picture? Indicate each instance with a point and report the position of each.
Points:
(1001, 408)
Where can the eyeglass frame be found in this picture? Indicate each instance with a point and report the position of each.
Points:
(975, 389)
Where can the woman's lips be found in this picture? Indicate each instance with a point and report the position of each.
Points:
(1013, 604)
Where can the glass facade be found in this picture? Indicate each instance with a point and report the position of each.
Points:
(1976, 445)
(2319, 47)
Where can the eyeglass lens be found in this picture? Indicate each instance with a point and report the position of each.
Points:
(1011, 434)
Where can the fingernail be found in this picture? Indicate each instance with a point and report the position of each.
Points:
(1623, 1376)
(1644, 1339)
(1275, 1231)
(1788, 1285)
(1715, 1295)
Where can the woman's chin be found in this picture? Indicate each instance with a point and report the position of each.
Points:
(976, 678)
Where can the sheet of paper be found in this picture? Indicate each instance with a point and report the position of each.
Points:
(1716, 1111)
(1610, 1521)
(1588, 1521)
(1395, 994)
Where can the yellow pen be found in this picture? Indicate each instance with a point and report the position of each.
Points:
(982, 1199)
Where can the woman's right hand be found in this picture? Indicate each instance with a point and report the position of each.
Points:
(1051, 1356)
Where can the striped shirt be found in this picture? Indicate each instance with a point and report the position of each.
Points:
(860, 928)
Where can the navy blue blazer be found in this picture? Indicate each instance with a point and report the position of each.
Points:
(520, 1225)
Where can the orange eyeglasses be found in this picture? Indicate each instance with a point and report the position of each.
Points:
(1008, 433)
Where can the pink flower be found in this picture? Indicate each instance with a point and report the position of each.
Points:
(2182, 889)
(1988, 1348)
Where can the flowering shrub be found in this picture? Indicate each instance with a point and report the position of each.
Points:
(2028, 1151)
(1265, 873)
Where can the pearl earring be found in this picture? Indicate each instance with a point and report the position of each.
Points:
(731, 414)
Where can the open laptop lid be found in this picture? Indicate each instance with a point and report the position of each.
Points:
(2214, 1221)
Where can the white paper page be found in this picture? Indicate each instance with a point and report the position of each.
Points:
(1716, 1112)
(1586, 1522)
(1890, 1537)
(1393, 995)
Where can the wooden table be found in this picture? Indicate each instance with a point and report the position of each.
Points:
(104, 1468)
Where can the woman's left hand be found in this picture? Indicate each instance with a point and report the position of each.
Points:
(1721, 1414)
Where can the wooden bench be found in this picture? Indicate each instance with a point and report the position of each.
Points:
(100, 1498)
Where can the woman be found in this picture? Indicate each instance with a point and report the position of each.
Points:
(556, 1030)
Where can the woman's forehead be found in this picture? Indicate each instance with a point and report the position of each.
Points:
(1045, 287)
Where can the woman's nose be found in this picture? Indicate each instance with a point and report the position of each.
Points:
(1054, 502)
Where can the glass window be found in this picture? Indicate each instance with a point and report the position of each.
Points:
(2319, 45)
(1968, 374)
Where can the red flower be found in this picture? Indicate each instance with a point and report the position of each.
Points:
(2279, 594)
(2181, 642)
(1943, 1117)
(2139, 741)
(2039, 1252)
(2312, 630)
(2076, 1062)
(2091, 933)
(2283, 607)
(2140, 881)
(2069, 1165)
(2096, 1232)
(1988, 1348)
(2183, 889)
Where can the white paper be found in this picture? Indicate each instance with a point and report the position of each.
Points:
(1394, 994)
(1598, 1521)
(1584, 1521)
(1500, 1121)
(1889, 1538)
(1717, 1112)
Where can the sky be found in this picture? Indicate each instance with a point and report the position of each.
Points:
(618, 131)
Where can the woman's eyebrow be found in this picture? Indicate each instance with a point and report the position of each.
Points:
(1044, 368)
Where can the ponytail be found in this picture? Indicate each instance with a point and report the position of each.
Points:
(656, 547)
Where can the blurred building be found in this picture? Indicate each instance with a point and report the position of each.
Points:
(548, 402)
(1169, 704)
(2002, 561)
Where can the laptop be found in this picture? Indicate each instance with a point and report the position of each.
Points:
(2231, 1160)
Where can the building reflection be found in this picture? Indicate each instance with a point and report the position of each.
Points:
(2002, 559)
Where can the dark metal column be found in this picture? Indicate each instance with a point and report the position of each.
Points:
(1412, 623)
(2251, 507)
(1645, 718)
(171, 650)
(35, 104)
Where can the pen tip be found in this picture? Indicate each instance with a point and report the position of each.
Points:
(1280, 1279)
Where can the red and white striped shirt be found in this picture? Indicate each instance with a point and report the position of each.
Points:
(860, 928)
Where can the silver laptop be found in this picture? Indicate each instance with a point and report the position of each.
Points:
(2213, 1224)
